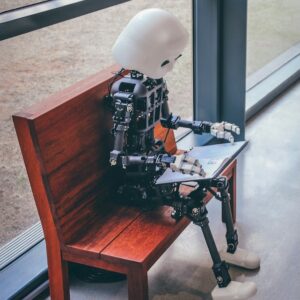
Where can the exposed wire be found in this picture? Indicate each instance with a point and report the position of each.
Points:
(167, 134)
(117, 75)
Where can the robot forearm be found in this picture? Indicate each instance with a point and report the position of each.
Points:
(174, 122)
(160, 160)
(221, 130)
(119, 134)
(180, 163)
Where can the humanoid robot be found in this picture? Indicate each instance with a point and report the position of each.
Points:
(148, 47)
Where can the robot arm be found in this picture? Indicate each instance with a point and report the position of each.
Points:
(219, 130)
(180, 163)
(122, 117)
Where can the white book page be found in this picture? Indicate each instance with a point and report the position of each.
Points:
(212, 158)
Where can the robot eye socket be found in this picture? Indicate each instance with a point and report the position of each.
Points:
(165, 63)
(178, 56)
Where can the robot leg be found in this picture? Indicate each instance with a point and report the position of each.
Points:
(232, 253)
(226, 289)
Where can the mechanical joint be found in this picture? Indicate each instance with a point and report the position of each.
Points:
(232, 241)
(200, 221)
(221, 183)
(221, 273)
(171, 122)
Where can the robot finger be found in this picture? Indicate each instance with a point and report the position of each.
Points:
(192, 169)
(229, 137)
(200, 171)
(192, 160)
(232, 127)
(223, 135)
(218, 127)
(217, 133)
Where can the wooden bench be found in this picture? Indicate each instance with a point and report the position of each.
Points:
(65, 142)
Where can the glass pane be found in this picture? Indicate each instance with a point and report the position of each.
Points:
(12, 4)
(40, 63)
(273, 27)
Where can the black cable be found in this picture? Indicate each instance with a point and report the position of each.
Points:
(117, 75)
(169, 126)
(167, 135)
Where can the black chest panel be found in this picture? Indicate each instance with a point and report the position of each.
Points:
(138, 102)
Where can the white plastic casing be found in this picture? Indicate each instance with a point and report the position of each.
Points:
(241, 257)
(152, 37)
(235, 291)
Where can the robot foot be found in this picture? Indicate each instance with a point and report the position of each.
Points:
(241, 258)
(235, 291)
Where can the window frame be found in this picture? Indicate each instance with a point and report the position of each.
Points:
(36, 16)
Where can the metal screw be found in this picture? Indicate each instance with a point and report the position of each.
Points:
(230, 246)
(195, 211)
(219, 279)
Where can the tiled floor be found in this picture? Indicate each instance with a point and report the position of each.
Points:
(268, 220)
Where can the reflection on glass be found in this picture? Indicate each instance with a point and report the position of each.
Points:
(37, 64)
(273, 27)
(13, 4)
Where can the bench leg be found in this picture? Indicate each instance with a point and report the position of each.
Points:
(137, 283)
(58, 273)
(232, 192)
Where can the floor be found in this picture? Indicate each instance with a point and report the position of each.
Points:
(267, 221)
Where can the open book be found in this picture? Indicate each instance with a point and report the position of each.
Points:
(214, 159)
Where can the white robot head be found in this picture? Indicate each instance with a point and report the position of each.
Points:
(151, 43)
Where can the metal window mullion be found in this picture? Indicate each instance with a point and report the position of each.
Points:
(219, 54)
(233, 39)
(206, 59)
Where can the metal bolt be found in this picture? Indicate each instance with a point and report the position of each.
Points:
(219, 279)
(195, 211)
(129, 108)
(230, 246)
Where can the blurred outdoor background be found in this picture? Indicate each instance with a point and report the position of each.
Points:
(37, 64)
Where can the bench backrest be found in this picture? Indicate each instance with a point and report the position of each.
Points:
(65, 142)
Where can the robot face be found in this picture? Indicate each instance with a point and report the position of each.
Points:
(151, 43)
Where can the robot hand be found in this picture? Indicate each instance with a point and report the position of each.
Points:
(187, 165)
(222, 131)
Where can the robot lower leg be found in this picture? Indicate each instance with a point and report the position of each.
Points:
(232, 254)
(221, 184)
(194, 208)
(220, 268)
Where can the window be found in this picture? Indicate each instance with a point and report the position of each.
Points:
(273, 51)
(39, 63)
(273, 28)
(13, 4)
